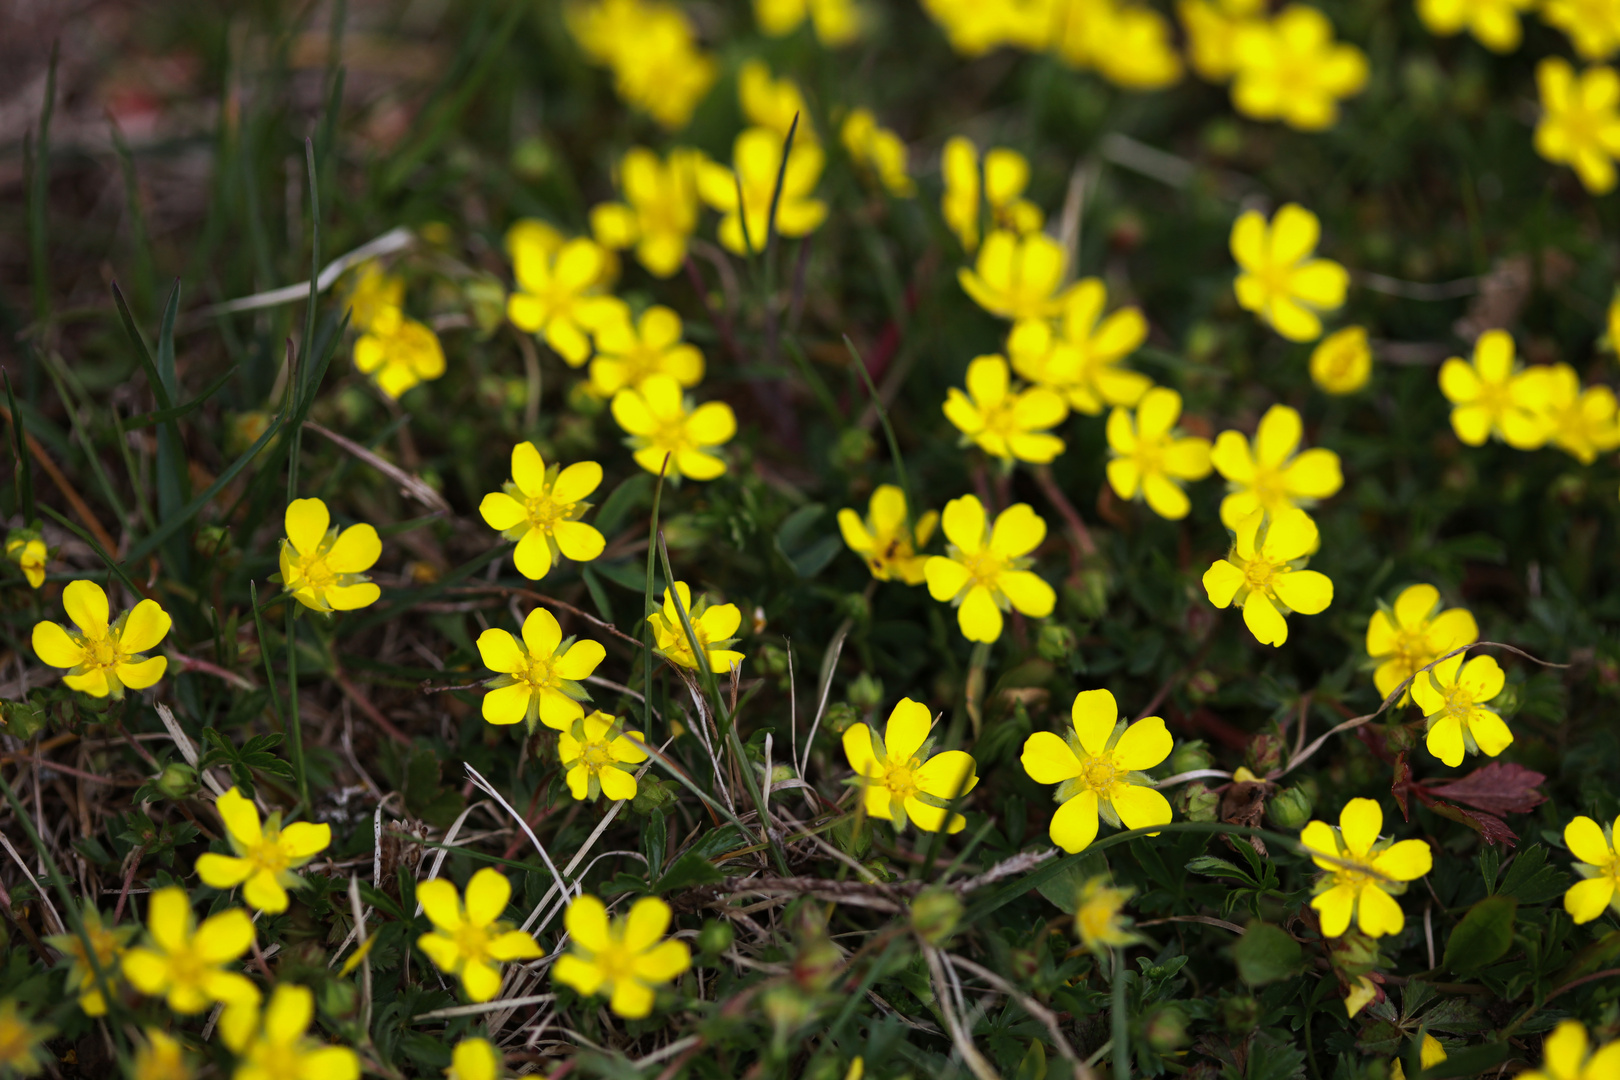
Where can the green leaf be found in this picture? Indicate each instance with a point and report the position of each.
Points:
(1266, 954)
(687, 871)
(1530, 880)
(1064, 889)
(1211, 866)
(1484, 935)
(1469, 1061)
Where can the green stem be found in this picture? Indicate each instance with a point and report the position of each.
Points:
(1119, 1020)
(295, 728)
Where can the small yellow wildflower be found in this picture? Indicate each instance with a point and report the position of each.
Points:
(757, 160)
(1364, 874)
(1017, 277)
(1582, 423)
(1341, 363)
(1006, 175)
(161, 1057)
(374, 294)
(900, 777)
(627, 352)
(540, 508)
(883, 539)
(1593, 26)
(659, 212)
(959, 205)
(836, 22)
(1004, 422)
(1213, 28)
(185, 962)
(277, 1044)
(558, 293)
(1580, 121)
(1265, 573)
(1410, 635)
(974, 27)
(714, 626)
(1491, 397)
(469, 940)
(108, 943)
(1494, 24)
(1083, 361)
(266, 855)
(660, 422)
(27, 549)
(398, 353)
(774, 104)
(1453, 696)
(1598, 864)
(1097, 767)
(1129, 44)
(475, 1059)
(1150, 458)
(624, 957)
(1280, 281)
(539, 677)
(322, 568)
(1430, 1054)
(1099, 916)
(878, 151)
(1268, 475)
(1292, 70)
(984, 570)
(20, 1050)
(1566, 1054)
(652, 50)
(103, 658)
(599, 758)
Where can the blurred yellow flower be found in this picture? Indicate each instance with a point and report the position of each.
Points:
(27, 549)
(1150, 459)
(1006, 175)
(1582, 423)
(1268, 474)
(836, 22)
(1362, 994)
(974, 27)
(984, 570)
(652, 51)
(774, 104)
(884, 540)
(1593, 26)
(1491, 397)
(627, 352)
(1362, 871)
(959, 204)
(266, 855)
(475, 1059)
(1494, 24)
(103, 658)
(161, 1057)
(184, 962)
(470, 940)
(1279, 280)
(373, 294)
(1018, 277)
(1003, 422)
(878, 151)
(1129, 44)
(21, 1042)
(624, 958)
(1265, 573)
(277, 1043)
(540, 508)
(539, 677)
(599, 758)
(559, 292)
(714, 626)
(108, 943)
(899, 776)
(1566, 1054)
(1097, 767)
(1598, 864)
(322, 568)
(757, 157)
(659, 212)
(1580, 122)
(1213, 28)
(1082, 360)
(398, 353)
(1291, 69)
(1430, 1054)
(1341, 363)
(1411, 634)
(1453, 697)
(661, 422)
(1099, 916)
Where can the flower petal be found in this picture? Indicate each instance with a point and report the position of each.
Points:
(1585, 840)
(307, 521)
(1140, 807)
(1074, 826)
(586, 921)
(580, 660)
(1304, 591)
(663, 963)
(1094, 713)
(516, 945)
(1143, 745)
(648, 919)
(978, 617)
(487, 894)
(146, 625)
(1264, 621)
(54, 647)
(1584, 901)
(1378, 914)
(1222, 581)
(906, 729)
(1405, 861)
(306, 839)
(1359, 823)
(1048, 760)
(500, 652)
(1018, 531)
(964, 523)
(356, 549)
(532, 556)
(86, 604)
(440, 904)
(541, 632)
(1334, 907)
(224, 937)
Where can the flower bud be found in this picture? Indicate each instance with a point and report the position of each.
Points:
(1190, 756)
(1057, 642)
(1290, 808)
(1166, 1028)
(1202, 685)
(1089, 594)
(1354, 953)
(934, 914)
(855, 446)
(177, 780)
(1263, 754)
(715, 937)
(1197, 803)
(866, 691)
(840, 715)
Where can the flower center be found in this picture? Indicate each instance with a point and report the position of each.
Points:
(617, 962)
(1258, 573)
(276, 1060)
(544, 511)
(1459, 702)
(102, 652)
(540, 675)
(901, 779)
(268, 854)
(1355, 872)
(598, 756)
(472, 942)
(985, 566)
(1100, 774)
(1149, 455)
(1269, 489)
(313, 571)
(186, 968)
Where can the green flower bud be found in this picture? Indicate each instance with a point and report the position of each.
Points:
(934, 914)
(1202, 685)
(854, 447)
(1354, 953)
(1189, 756)
(1089, 594)
(23, 719)
(1290, 808)
(840, 715)
(1263, 754)
(1166, 1028)
(177, 780)
(1057, 642)
(1197, 803)
(651, 794)
(866, 691)
(715, 937)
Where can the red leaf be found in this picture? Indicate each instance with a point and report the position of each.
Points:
(1491, 829)
(1499, 788)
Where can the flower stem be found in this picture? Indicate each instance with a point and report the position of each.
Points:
(1119, 1019)
(295, 728)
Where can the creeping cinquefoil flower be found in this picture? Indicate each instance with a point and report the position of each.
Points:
(1364, 874)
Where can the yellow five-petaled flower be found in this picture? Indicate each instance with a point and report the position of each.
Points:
(107, 943)
(276, 1045)
(266, 855)
(900, 778)
(103, 658)
(1017, 277)
(745, 226)
(1490, 396)
(27, 549)
(1598, 864)
(1083, 361)
(624, 957)
(714, 626)
(889, 546)
(1280, 281)
(599, 758)
(322, 568)
(539, 677)
(1411, 634)
(470, 940)
(662, 425)
(399, 353)
(1265, 573)
(1567, 1054)
(1003, 422)
(985, 569)
(1151, 458)
(186, 962)
(1267, 474)
(1580, 120)
(1099, 916)
(1362, 871)
(559, 293)
(660, 208)
(540, 508)
(1291, 69)
(1453, 698)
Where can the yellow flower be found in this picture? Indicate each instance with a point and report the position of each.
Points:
(1410, 636)
(1580, 124)
(1268, 475)
(559, 293)
(399, 353)
(374, 294)
(974, 27)
(1598, 865)
(474, 1059)
(626, 352)
(470, 941)
(1213, 28)
(1017, 277)
(1265, 573)
(322, 568)
(161, 1057)
(959, 205)
(1490, 397)
(836, 22)
(1593, 26)
(1341, 363)
(539, 678)
(109, 944)
(1362, 994)
(185, 962)
(1430, 1054)
(714, 626)
(900, 777)
(1097, 767)
(879, 151)
(984, 570)
(883, 539)
(599, 759)
(1099, 916)
(624, 957)
(773, 104)
(1364, 874)
(1453, 696)
(1280, 281)
(20, 1042)
(1150, 459)
(1129, 44)
(661, 422)
(1082, 362)
(1582, 423)
(540, 508)
(652, 51)
(266, 855)
(1006, 175)
(757, 157)
(277, 1044)
(27, 549)
(103, 658)
(1292, 70)
(659, 212)
(1494, 24)
(1566, 1055)
(1004, 422)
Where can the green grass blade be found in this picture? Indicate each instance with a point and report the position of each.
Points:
(39, 178)
(25, 465)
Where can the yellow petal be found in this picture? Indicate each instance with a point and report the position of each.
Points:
(146, 625)
(307, 521)
(1405, 861)
(224, 937)
(1143, 745)
(1584, 838)
(1334, 908)
(964, 523)
(1048, 760)
(978, 617)
(500, 652)
(1359, 823)
(1140, 807)
(1094, 714)
(53, 646)
(1018, 531)
(440, 904)
(586, 921)
(1585, 900)
(906, 729)
(1378, 914)
(355, 550)
(1074, 826)
(541, 632)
